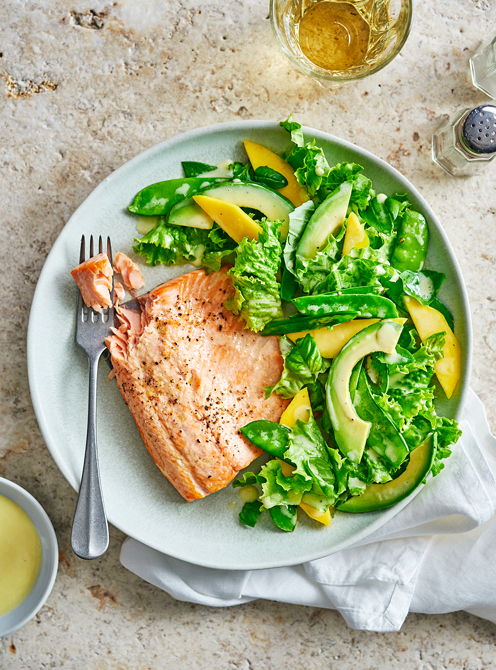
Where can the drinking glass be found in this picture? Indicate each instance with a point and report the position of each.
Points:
(340, 41)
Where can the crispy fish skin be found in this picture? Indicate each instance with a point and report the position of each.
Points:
(192, 376)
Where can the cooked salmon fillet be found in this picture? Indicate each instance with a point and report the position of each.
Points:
(192, 376)
(129, 271)
(94, 279)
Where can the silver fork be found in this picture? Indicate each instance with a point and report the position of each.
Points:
(90, 535)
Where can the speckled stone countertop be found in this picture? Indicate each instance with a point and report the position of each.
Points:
(84, 87)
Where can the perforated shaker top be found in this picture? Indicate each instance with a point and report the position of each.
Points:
(479, 129)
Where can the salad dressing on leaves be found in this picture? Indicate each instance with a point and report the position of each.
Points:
(333, 35)
(20, 555)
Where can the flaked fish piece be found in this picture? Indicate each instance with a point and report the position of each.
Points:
(192, 376)
(119, 292)
(132, 276)
(94, 279)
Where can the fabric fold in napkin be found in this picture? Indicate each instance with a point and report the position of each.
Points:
(435, 556)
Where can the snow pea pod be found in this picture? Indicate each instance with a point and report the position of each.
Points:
(384, 438)
(412, 241)
(267, 435)
(298, 323)
(159, 198)
(363, 304)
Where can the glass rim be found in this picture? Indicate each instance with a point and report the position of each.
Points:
(313, 70)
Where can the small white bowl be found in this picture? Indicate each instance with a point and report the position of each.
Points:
(26, 610)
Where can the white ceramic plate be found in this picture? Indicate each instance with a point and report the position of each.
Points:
(138, 499)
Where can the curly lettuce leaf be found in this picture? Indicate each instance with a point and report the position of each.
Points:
(302, 365)
(174, 245)
(351, 272)
(279, 489)
(362, 190)
(307, 159)
(257, 290)
(312, 272)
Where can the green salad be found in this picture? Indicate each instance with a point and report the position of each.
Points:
(337, 272)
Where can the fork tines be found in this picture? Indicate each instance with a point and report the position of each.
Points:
(82, 258)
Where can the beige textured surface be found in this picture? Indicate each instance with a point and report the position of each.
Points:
(85, 87)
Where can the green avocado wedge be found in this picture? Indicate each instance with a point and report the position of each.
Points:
(350, 431)
(380, 496)
(271, 204)
(326, 220)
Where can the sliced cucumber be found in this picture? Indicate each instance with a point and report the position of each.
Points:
(380, 496)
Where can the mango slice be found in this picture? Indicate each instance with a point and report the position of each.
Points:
(355, 236)
(322, 517)
(429, 321)
(229, 217)
(259, 155)
(330, 341)
(300, 409)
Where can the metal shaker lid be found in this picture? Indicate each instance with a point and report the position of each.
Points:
(479, 129)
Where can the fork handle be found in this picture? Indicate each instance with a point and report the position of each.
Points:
(90, 535)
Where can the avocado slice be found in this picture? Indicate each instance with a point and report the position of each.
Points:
(325, 221)
(350, 431)
(271, 204)
(380, 496)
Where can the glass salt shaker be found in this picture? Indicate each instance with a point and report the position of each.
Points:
(461, 146)
(483, 69)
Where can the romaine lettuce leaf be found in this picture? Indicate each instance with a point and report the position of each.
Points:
(257, 290)
(302, 365)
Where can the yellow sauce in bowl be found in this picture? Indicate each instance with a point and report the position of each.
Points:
(20, 555)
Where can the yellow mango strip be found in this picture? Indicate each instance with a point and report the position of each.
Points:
(300, 409)
(330, 341)
(429, 321)
(355, 236)
(231, 218)
(322, 517)
(259, 156)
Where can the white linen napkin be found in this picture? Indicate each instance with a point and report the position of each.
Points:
(436, 555)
